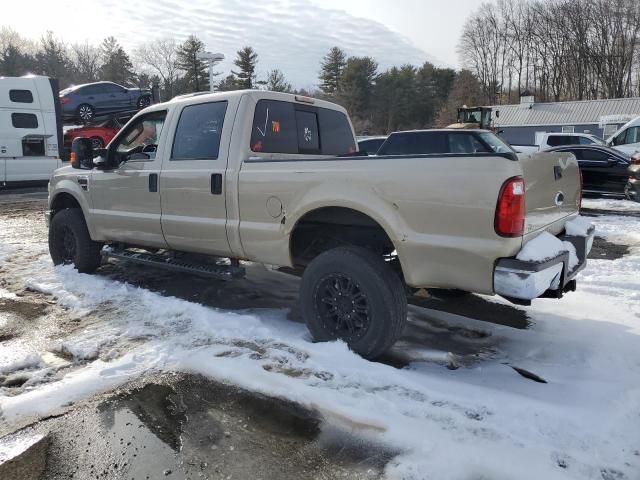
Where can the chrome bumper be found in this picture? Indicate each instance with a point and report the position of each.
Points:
(523, 281)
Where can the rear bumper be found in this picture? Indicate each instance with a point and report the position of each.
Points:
(523, 281)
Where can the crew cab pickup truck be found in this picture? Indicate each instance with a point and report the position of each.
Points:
(200, 183)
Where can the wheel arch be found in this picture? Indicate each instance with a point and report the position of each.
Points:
(354, 224)
(68, 195)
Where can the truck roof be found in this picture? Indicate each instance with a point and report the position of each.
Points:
(204, 97)
(442, 130)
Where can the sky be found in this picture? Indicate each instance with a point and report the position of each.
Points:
(292, 35)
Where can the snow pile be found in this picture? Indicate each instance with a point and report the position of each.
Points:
(13, 358)
(607, 204)
(578, 227)
(479, 421)
(545, 247)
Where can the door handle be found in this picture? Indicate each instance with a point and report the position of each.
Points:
(153, 182)
(216, 183)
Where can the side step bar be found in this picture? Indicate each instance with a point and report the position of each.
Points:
(220, 272)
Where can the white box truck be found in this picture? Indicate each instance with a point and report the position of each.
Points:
(30, 130)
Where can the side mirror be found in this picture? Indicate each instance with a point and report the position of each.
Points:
(81, 153)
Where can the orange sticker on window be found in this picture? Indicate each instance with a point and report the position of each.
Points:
(275, 126)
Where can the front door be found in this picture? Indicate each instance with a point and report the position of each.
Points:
(192, 184)
(126, 200)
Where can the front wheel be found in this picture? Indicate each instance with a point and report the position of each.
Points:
(352, 294)
(96, 143)
(70, 243)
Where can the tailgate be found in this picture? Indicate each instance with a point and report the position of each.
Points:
(552, 182)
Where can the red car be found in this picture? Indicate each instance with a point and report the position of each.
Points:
(100, 131)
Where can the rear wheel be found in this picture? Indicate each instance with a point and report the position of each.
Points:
(70, 243)
(352, 294)
(85, 112)
(144, 102)
(96, 142)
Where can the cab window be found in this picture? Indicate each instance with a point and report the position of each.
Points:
(465, 143)
(139, 141)
(199, 132)
(285, 127)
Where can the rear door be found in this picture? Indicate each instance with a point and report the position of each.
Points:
(603, 172)
(192, 183)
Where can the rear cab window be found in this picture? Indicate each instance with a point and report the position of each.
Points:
(289, 128)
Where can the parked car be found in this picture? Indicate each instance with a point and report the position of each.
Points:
(275, 178)
(550, 140)
(100, 131)
(84, 102)
(627, 138)
(30, 130)
(444, 141)
(606, 172)
(370, 145)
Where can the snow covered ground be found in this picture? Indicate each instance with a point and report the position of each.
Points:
(480, 421)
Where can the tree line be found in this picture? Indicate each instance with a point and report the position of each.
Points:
(378, 102)
(555, 49)
(174, 67)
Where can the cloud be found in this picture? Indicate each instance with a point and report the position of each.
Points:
(292, 35)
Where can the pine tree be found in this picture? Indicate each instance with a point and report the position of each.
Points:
(332, 67)
(276, 82)
(246, 61)
(195, 71)
(356, 85)
(116, 66)
(227, 84)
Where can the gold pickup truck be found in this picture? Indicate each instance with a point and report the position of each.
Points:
(204, 181)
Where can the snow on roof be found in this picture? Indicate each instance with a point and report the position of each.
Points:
(582, 112)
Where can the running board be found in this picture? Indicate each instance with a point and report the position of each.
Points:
(220, 272)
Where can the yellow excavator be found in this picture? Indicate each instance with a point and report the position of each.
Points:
(474, 117)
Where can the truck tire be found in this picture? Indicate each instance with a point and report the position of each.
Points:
(70, 243)
(144, 102)
(352, 294)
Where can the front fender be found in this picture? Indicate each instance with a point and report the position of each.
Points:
(70, 186)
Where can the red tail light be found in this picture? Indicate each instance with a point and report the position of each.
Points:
(635, 159)
(64, 100)
(510, 210)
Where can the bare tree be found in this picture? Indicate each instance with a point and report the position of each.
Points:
(161, 58)
(87, 60)
(559, 49)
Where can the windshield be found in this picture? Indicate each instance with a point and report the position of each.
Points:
(495, 143)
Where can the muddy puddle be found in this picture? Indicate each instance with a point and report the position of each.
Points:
(189, 427)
